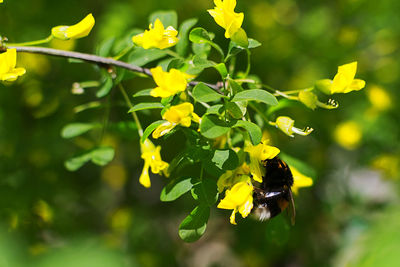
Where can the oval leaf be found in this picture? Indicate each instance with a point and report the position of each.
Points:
(175, 189)
(194, 225)
(212, 127)
(150, 129)
(256, 95)
(203, 93)
(76, 129)
(142, 106)
(103, 155)
(199, 36)
(253, 130)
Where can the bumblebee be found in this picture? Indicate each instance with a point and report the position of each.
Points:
(274, 193)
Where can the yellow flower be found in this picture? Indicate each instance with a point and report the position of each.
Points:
(286, 125)
(8, 71)
(343, 82)
(311, 101)
(299, 180)
(379, 98)
(169, 83)
(225, 16)
(156, 37)
(230, 178)
(79, 30)
(348, 134)
(152, 158)
(258, 154)
(239, 199)
(181, 114)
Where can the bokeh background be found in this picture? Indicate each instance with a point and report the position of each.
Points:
(104, 217)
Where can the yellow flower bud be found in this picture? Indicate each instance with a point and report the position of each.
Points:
(157, 37)
(225, 16)
(286, 125)
(8, 71)
(79, 30)
(309, 99)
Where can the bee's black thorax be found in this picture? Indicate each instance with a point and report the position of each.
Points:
(277, 174)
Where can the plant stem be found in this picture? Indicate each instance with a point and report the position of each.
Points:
(129, 103)
(37, 42)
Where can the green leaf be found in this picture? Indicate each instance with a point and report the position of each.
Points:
(199, 36)
(256, 95)
(236, 88)
(167, 17)
(206, 191)
(236, 109)
(177, 63)
(203, 93)
(182, 45)
(253, 43)
(216, 109)
(201, 50)
(140, 56)
(221, 68)
(102, 156)
(150, 129)
(253, 130)
(145, 92)
(99, 156)
(105, 47)
(212, 127)
(225, 159)
(201, 62)
(75, 129)
(106, 86)
(176, 188)
(75, 163)
(194, 225)
(141, 106)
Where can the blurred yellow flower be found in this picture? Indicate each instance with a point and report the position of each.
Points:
(286, 125)
(181, 114)
(225, 16)
(258, 154)
(169, 83)
(8, 71)
(43, 210)
(239, 199)
(79, 30)
(379, 98)
(348, 134)
(343, 82)
(152, 158)
(389, 164)
(156, 37)
(299, 180)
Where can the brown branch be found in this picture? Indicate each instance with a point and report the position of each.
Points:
(101, 61)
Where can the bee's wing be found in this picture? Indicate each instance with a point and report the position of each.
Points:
(291, 210)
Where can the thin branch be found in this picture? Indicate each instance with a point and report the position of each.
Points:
(82, 56)
(101, 61)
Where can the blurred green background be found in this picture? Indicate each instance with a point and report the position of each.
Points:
(104, 217)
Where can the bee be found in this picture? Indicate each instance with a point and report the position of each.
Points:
(274, 193)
